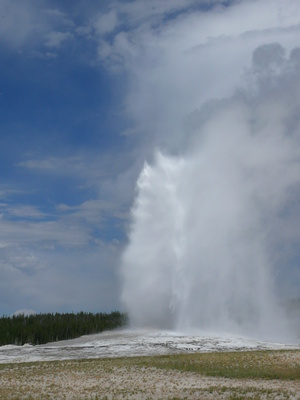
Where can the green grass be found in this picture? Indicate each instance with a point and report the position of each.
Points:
(250, 364)
(283, 365)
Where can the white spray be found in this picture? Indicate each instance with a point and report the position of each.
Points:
(200, 251)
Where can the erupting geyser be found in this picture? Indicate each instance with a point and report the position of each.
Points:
(201, 245)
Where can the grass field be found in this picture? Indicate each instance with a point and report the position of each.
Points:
(232, 375)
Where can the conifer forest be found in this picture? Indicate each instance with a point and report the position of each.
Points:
(43, 328)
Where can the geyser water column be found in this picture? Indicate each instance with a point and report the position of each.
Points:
(204, 224)
(198, 254)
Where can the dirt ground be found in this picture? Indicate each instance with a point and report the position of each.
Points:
(86, 380)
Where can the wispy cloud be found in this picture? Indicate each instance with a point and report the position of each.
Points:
(56, 39)
(24, 211)
(62, 165)
(105, 23)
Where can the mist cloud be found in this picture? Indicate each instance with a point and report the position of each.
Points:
(212, 203)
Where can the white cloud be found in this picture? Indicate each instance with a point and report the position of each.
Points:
(25, 212)
(17, 22)
(191, 57)
(56, 164)
(43, 55)
(58, 15)
(27, 24)
(105, 23)
(24, 312)
(62, 233)
(110, 176)
(84, 30)
(56, 39)
(85, 168)
(29, 27)
(63, 281)
(91, 211)
(18, 257)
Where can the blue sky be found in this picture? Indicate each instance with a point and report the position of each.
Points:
(89, 90)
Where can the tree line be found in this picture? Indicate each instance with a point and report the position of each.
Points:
(43, 328)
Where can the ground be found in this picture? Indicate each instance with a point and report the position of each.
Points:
(135, 378)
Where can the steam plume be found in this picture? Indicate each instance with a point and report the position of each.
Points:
(206, 223)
